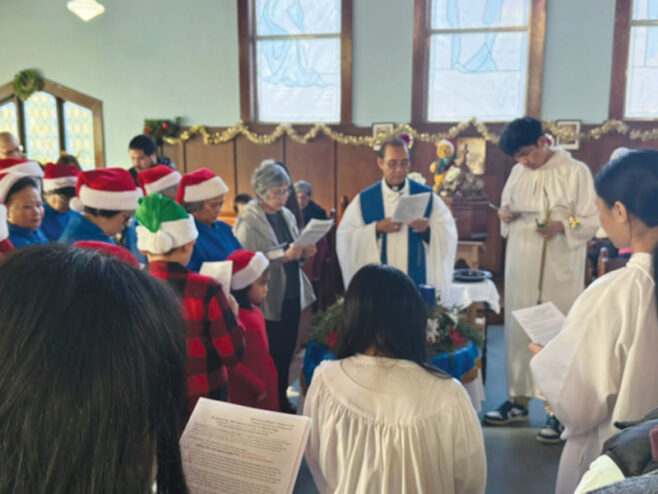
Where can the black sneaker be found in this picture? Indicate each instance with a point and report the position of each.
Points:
(550, 433)
(506, 413)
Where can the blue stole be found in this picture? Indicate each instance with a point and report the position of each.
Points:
(214, 243)
(21, 237)
(54, 222)
(80, 228)
(372, 210)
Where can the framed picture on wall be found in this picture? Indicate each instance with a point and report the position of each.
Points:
(381, 130)
(574, 126)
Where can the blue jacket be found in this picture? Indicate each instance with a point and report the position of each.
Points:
(130, 241)
(21, 237)
(213, 244)
(54, 222)
(80, 228)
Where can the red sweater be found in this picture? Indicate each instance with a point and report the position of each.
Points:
(245, 387)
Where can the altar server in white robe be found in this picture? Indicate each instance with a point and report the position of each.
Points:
(602, 367)
(544, 177)
(425, 249)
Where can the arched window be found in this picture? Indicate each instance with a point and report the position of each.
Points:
(53, 120)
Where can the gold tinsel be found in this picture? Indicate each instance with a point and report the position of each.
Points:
(565, 133)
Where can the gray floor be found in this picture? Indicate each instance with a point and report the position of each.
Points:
(516, 461)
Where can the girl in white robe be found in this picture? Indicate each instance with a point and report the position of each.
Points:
(602, 367)
(383, 420)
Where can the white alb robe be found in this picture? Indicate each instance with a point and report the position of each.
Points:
(602, 367)
(386, 425)
(357, 243)
(567, 182)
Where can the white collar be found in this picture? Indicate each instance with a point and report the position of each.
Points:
(391, 195)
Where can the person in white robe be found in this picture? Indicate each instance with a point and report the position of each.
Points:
(602, 366)
(383, 420)
(544, 177)
(424, 249)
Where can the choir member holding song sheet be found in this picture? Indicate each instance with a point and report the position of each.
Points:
(602, 367)
(423, 247)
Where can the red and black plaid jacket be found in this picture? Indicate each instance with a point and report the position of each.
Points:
(214, 337)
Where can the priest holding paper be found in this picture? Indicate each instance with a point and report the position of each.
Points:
(398, 222)
(548, 214)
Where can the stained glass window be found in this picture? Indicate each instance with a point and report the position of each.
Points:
(478, 59)
(79, 134)
(8, 118)
(642, 74)
(298, 60)
(41, 127)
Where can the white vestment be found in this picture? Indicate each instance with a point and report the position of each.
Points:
(567, 182)
(383, 425)
(357, 244)
(602, 367)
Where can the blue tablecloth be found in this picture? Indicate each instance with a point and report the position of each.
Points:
(456, 364)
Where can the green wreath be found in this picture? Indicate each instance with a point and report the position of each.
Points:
(27, 82)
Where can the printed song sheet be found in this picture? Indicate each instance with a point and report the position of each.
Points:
(239, 450)
(314, 231)
(411, 207)
(540, 322)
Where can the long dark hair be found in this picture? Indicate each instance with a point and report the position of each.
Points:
(92, 365)
(632, 179)
(383, 309)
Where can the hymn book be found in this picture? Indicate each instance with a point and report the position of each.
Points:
(540, 322)
(233, 449)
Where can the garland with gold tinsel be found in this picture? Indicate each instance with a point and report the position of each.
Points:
(241, 129)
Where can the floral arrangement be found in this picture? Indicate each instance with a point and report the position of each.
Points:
(159, 129)
(27, 82)
(459, 182)
(417, 177)
(447, 329)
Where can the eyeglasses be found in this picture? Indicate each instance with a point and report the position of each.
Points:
(278, 193)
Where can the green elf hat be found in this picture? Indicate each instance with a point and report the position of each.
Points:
(163, 225)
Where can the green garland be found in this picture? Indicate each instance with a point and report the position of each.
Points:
(158, 129)
(27, 82)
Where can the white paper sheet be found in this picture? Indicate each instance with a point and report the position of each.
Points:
(540, 322)
(220, 271)
(411, 207)
(235, 450)
(314, 231)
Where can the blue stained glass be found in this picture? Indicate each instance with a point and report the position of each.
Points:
(42, 134)
(642, 80)
(645, 10)
(465, 14)
(290, 17)
(477, 74)
(8, 118)
(79, 134)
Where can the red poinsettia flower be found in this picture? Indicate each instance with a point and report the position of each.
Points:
(332, 338)
(165, 125)
(147, 130)
(456, 338)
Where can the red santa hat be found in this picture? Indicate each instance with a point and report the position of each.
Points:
(4, 229)
(58, 176)
(28, 167)
(7, 181)
(200, 185)
(110, 249)
(157, 179)
(248, 266)
(112, 189)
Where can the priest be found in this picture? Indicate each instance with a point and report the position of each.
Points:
(548, 205)
(424, 249)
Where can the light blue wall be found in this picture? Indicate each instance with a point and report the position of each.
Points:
(164, 58)
(578, 59)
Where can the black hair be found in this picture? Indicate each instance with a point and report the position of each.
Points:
(144, 143)
(632, 179)
(242, 297)
(68, 159)
(395, 142)
(92, 375)
(105, 213)
(20, 184)
(241, 199)
(68, 192)
(383, 309)
(519, 133)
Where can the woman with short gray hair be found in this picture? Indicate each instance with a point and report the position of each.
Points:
(263, 225)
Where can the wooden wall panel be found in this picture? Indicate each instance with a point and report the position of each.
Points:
(176, 152)
(315, 163)
(356, 168)
(220, 158)
(249, 156)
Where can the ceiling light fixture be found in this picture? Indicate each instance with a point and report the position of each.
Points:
(85, 9)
